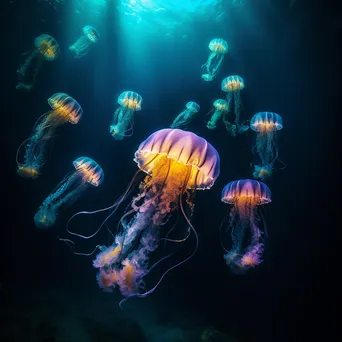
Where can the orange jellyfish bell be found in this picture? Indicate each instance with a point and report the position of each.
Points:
(185, 148)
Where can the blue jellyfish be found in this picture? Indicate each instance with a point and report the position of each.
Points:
(266, 124)
(245, 224)
(64, 109)
(220, 110)
(123, 119)
(232, 85)
(184, 118)
(84, 43)
(218, 48)
(88, 172)
(45, 48)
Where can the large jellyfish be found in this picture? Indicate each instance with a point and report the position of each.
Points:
(45, 48)
(176, 163)
(64, 109)
(88, 172)
(184, 118)
(232, 85)
(218, 48)
(85, 42)
(266, 124)
(123, 119)
(246, 224)
(220, 110)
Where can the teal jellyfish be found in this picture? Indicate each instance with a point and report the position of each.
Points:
(87, 172)
(265, 124)
(64, 109)
(232, 85)
(45, 48)
(218, 48)
(184, 118)
(123, 119)
(85, 42)
(220, 110)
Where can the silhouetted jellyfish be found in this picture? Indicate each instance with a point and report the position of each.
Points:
(232, 85)
(220, 110)
(246, 224)
(45, 48)
(88, 172)
(176, 164)
(184, 118)
(123, 119)
(64, 109)
(218, 48)
(266, 124)
(85, 42)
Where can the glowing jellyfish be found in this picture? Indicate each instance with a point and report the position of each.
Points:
(184, 118)
(45, 48)
(88, 172)
(85, 42)
(123, 119)
(246, 225)
(176, 164)
(232, 85)
(64, 109)
(220, 111)
(266, 124)
(218, 48)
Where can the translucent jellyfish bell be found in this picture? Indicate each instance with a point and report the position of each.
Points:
(186, 116)
(85, 42)
(123, 118)
(45, 48)
(210, 69)
(87, 172)
(220, 111)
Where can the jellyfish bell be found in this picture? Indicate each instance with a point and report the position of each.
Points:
(90, 171)
(193, 107)
(85, 42)
(264, 122)
(130, 100)
(186, 116)
(219, 46)
(232, 84)
(91, 33)
(47, 46)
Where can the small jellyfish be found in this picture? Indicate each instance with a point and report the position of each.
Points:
(45, 48)
(85, 42)
(184, 118)
(210, 69)
(176, 164)
(64, 109)
(220, 110)
(265, 124)
(246, 225)
(232, 85)
(87, 172)
(123, 118)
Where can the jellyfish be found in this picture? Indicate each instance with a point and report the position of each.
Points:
(64, 109)
(176, 164)
(266, 124)
(232, 85)
(45, 48)
(123, 119)
(87, 172)
(85, 42)
(220, 110)
(184, 118)
(246, 224)
(218, 48)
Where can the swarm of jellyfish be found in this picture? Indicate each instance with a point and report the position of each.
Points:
(265, 124)
(218, 49)
(246, 225)
(64, 109)
(220, 111)
(186, 116)
(45, 48)
(85, 42)
(123, 118)
(87, 172)
(233, 85)
(176, 163)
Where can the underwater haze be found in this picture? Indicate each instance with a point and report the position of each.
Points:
(166, 170)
